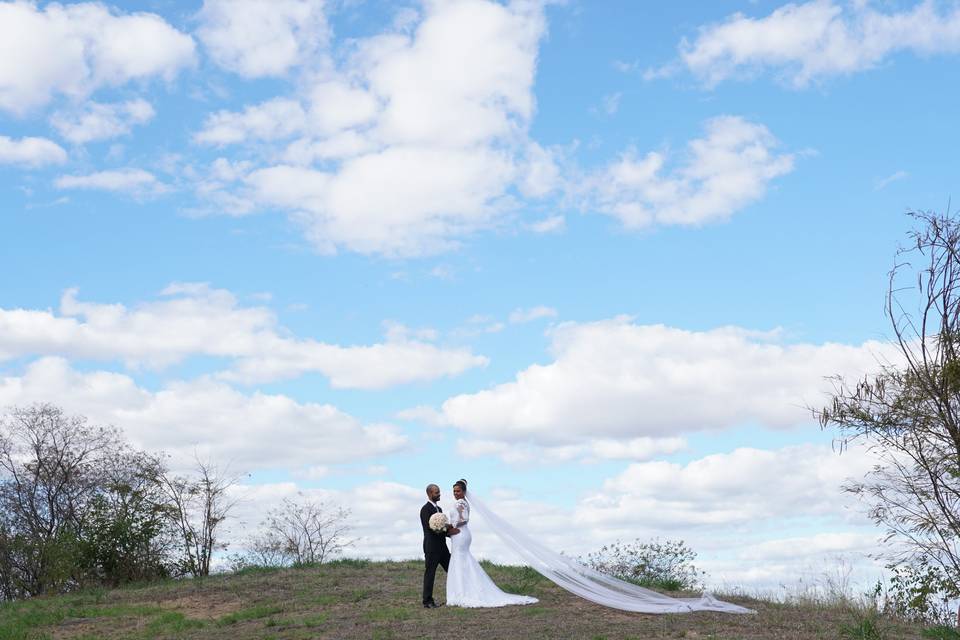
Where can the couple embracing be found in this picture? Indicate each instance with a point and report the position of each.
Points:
(468, 585)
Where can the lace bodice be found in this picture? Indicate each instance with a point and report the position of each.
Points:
(461, 513)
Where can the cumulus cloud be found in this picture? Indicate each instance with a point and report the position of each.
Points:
(818, 39)
(194, 319)
(77, 48)
(273, 119)
(735, 489)
(435, 116)
(596, 449)
(735, 509)
(30, 152)
(136, 182)
(620, 380)
(724, 171)
(97, 121)
(206, 418)
(259, 39)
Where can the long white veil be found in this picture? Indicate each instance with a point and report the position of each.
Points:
(589, 583)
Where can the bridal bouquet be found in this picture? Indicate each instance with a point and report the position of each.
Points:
(438, 522)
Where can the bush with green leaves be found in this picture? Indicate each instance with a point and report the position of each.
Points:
(921, 592)
(666, 565)
(77, 506)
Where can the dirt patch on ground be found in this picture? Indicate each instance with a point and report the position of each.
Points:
(201, 608)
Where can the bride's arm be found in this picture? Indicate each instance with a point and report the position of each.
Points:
(463, 513)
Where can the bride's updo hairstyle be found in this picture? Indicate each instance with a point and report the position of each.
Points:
(462, 484)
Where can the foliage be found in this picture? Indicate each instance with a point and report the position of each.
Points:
(55, 473)
(920, 592)
(128, 534)
(79, 506)
(940, 632)
(664, 565)
(908, 417)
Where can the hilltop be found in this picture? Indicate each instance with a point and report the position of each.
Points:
(353, 599)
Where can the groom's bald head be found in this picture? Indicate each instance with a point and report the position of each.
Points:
(433, 492)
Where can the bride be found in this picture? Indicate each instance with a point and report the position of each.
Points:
(468, 585)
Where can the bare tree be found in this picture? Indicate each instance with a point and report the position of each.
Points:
(199, 506)
(909, 414)
(51, 466)
(50, 462)
(303, 532)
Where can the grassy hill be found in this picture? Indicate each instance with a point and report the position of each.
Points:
(359, 599)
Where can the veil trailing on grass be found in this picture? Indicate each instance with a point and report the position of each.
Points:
(589, 583)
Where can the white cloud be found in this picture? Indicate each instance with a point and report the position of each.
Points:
(725, 171)
(136, 182)
(31, 152)
(336, 106)
(436, 118)
(77, 48)
(197, 320)
(257, 39)
(527, 454)
(270, 120)
(518, 316)
(735, 489)
(425, 198)
(882, 183)
(610, 103)
(256, 431)
(619, 380)
(551, 224)
(540, 170)
(813, 40)
(102, 121)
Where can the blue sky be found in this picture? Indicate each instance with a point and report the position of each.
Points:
(596, 257)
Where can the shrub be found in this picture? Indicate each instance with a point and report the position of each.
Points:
(666, 565)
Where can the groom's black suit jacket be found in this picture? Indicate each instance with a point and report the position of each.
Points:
(433, 542)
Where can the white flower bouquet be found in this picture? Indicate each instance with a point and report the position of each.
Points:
(438, 522)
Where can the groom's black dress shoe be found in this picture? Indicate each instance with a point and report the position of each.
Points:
(431, 605)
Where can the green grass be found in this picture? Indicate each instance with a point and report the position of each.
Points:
(940, 632)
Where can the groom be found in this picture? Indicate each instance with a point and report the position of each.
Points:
(434, 545)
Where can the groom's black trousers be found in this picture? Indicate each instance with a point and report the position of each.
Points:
(433, 557)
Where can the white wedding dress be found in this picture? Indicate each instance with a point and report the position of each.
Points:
(468, 585)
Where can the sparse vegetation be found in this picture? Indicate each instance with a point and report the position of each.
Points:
(354, 599)
(908, 416)
(666, 565)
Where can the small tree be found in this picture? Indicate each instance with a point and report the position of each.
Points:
(664, 565)
(51, 468)
(128, 534)
(908, 415)
(301, 532)
(198, 507)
